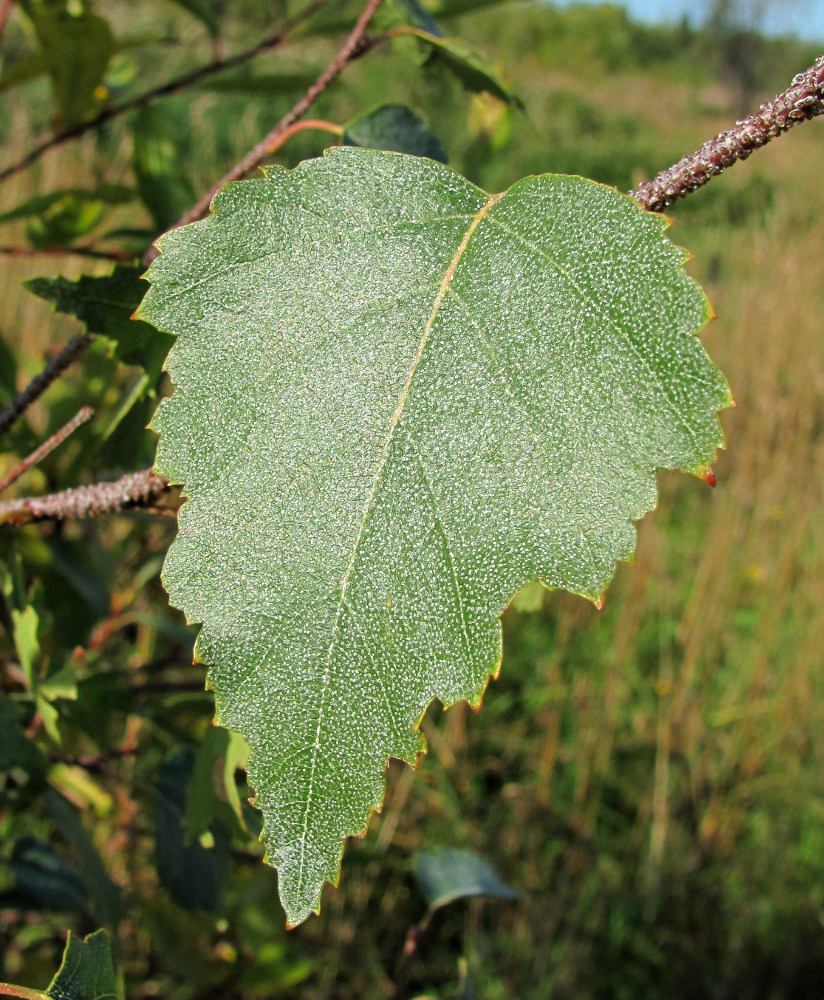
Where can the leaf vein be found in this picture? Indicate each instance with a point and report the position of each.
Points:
(476, 219)
(439, 521)
(348, 232)
(644, 364)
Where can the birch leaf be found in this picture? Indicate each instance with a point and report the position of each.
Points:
(399, 399)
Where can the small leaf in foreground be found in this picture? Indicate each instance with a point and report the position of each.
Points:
(399, 399)
(87, 972)
(449, 874)
(395, 128)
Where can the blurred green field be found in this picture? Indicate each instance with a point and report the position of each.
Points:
(651, 776)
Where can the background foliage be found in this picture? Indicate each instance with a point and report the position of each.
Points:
(649, 778)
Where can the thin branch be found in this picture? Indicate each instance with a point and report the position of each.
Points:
(410, 948)
(133, 490)
(87, 251)
(172, 87)
(81, 417)
(310, 125)
(21, 992)
(38, 385)
(5, 10)
(803, 100)
(355, 45)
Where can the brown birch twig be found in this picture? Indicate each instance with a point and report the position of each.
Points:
(803, 99)
(38, 385)
(272, 41)
(136, 489)
(83, 415)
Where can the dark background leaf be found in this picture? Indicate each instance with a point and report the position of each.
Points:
(193, 874)
(450, 874)
(394, 127)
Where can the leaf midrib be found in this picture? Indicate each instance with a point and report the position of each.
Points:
(393, 423)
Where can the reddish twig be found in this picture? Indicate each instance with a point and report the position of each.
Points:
(803, 100)
(81, 417)
(410, 948)
(5, 10)
(87, 251)
(172, 87)
(309, 125)
(355, 45)
(38, 385)
(21, 992)
(133, 490)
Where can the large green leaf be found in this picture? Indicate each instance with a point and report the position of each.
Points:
(397, 400)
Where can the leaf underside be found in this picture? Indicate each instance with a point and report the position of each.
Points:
(398, 400)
